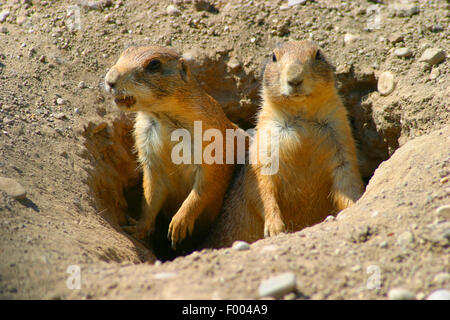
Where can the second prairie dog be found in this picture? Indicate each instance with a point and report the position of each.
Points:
(317, 173)
(156, 83)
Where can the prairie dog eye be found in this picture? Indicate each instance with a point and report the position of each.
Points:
(153, 65)
(318, 55)
(274, 57)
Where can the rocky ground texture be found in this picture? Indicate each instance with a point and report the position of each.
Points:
(68, 177)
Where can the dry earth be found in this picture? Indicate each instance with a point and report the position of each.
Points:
(64, 141)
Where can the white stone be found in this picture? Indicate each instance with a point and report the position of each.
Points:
(432, 56)
(3, 15)
(434, 74)
(403, 52)
(164, 275)
(295, 2)
(351, 38)
(386, 83)
(278, 286)
(400, 294)
(12, 188)
(440, 294)
(240, 245)
(172, 10)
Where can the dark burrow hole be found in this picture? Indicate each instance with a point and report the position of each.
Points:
(115, 178)
(157, 240)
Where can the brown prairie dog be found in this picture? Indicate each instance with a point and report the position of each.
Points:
(317, 171)
(156, 83)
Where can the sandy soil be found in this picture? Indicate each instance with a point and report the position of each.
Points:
(65, 142)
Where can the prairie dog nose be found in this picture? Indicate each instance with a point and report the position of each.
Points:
(111, 79)
(294, 75)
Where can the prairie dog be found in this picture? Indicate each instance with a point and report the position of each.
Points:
(156, 83)
(317, 171)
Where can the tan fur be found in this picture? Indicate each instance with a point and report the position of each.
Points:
(166, 99)
(318, 172)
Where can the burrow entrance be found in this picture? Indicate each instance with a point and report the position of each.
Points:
(115, 178)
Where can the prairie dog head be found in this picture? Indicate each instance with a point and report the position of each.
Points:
(145, 77)
(297, 70)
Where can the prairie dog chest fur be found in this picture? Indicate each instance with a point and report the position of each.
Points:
(154, 146)
(301, 139)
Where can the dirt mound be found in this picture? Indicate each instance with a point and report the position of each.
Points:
(393, 231)
(63, 140)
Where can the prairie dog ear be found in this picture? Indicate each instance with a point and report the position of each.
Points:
(183, 68)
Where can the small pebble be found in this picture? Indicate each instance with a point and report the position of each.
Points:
(3, 15)
(400, 294)
(432, 56)
(351, 38)
(290, 296)
(395, 38)
(278, 286)
(356, 268)
(404, 9)
(172, 10)
(60, 101)
(81, 85)
(109, 18)
(403, 52)
(330, 218)
(60, 116)
(405, 239)
(240, 245)
(386, 83)
(434, 74)
(295, 2)
(443, 212)
(234, 64)
(384, 244)
(441, 278)
(440, 294)
(164, 275)
(12, 188)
